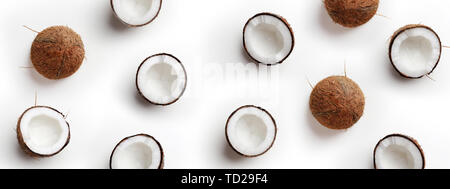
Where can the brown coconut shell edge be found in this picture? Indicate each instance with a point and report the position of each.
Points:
(161, 164)
(282, 19)
(24, 146)
(229, 142)
(414, 141)
(148, 100)
(131, 25)
(400, 31)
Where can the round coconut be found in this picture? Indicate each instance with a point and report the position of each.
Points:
(136, 13)
(337, 102)
(160, 166)
(351, 13)
(262, 112)
(57, 52)
(401, 31)
(411, 139)
(21, 140)
(282, 23)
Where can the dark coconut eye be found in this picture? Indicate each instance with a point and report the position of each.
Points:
(398, 151)
(415, 51)
(268, 38)
(136, 12)
(140, 151)
(337, 102)
(42, 131)
(351, 13)
(251, 131)
(57, 52)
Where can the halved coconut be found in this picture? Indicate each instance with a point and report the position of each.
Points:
(268, 38)
(161, 79)
(398, 151)
(42, 131)
(136, 13)
(251, 131)
(415, 51)
(140, 151)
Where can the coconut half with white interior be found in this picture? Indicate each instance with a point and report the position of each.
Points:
(251, 131)
(136, 13)
(161, 79)
(140, 151)
(398, 151)
(415, 51)
(42, 131)
(268, 38)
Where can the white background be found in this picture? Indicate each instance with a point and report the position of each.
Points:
(104, 108)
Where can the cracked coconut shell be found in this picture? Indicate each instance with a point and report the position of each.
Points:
(57, 52)
(337, 102)
(351, 13)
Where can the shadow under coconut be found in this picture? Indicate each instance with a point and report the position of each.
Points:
(115, 23)
(38, 78)
(247, 57)
(230, 154)
(145, 104)
(22, 155)
(328, 24)
(317, 128)
(394, 74)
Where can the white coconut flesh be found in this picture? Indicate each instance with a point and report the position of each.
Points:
(161, 79)
(268, 39)
(415, 52)
(136, 12)
(251, 131)
(398, 152)
(137, 152)
(44, 130)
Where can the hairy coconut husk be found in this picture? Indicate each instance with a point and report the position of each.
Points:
(351, 13)
(414, 141)
(337, 102)
(57, 52)
(24, 146)
(161, 164)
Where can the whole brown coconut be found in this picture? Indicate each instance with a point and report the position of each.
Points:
(57, 52)
(337, 102)
(351, 13)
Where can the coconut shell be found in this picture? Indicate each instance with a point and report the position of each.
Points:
(139, 89)
(262, 109)
(57, 52)
(131, 25)
(351, 13)
(414, 141)
(24, 146)
(400, 31)
(337, 102)
(285, 22)
(161, 164)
